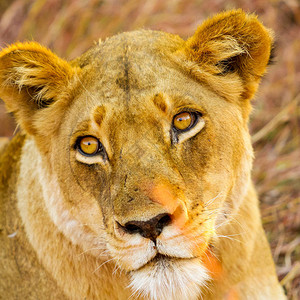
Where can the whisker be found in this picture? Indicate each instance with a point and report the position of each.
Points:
(209, 202)
(90, 249)
(116, 269)
(231, 220)
(211, 213)
(228, 237)
(214, 255)
(104, 263)
(104, 253)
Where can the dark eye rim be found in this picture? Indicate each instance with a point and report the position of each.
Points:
(99, 150)
(196, 116)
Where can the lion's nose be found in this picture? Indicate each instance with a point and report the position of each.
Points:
(150, 229)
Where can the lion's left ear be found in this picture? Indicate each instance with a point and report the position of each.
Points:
(232, 42)
(32, 78)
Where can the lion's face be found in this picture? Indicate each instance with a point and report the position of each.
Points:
(149, 155)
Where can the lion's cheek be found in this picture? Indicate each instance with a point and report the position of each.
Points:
(89, 214)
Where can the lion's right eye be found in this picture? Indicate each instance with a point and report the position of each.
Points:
(89, 146)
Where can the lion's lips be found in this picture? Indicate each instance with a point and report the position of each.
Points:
(164, 260)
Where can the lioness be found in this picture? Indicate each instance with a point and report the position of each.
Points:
(131, 176)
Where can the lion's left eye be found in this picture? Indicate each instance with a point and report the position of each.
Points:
(89, 146)
(184, 121)
(185, 125)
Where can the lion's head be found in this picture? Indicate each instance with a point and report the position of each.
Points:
(143, 143)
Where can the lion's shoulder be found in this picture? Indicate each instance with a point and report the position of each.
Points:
(9, 156)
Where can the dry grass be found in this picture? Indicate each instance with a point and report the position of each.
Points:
(70, 27)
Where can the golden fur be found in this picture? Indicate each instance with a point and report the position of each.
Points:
(65, 215)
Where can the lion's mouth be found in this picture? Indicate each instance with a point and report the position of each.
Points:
(161, 258)
(164, 261)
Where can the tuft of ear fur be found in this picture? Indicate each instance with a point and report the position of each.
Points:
(31, 78)
(232, 42)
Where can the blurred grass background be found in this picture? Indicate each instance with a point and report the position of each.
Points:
(69, 27)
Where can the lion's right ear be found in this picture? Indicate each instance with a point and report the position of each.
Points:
(32, 78)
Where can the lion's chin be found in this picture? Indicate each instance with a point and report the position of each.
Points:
(169, 278)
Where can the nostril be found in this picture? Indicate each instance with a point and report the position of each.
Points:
(150, 229)
(132, 228)
(164, 221)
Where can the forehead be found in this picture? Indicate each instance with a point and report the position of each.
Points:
(125, 72)
(128, 64)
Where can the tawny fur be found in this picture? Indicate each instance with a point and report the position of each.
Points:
(62, 212)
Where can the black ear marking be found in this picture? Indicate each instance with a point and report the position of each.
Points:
(227, 65)
(272, 54)
(40, 102)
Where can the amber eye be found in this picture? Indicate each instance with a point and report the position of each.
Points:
(184, 121)
(89, 146)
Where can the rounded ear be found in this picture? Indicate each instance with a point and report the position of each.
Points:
(232, 42)
(32, 78)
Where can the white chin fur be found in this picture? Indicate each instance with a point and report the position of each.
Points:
(169, 279)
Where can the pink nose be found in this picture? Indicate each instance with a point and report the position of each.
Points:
(163, 194)
(170, 209)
